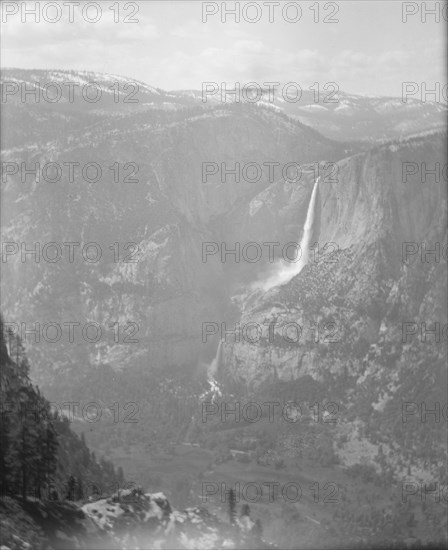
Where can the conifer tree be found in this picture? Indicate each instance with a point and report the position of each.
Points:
(4, 452)
(232, 506)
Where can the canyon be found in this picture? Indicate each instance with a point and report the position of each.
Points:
(370, 266)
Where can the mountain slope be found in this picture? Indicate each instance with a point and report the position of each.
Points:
(368, 300)
(165, 288)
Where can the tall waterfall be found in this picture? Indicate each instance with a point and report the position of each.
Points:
(286, 272)
(289, 270)
(214, 365)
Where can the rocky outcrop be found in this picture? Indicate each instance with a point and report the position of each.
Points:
(136, 519)
(129, 519)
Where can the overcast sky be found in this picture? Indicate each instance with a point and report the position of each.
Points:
(369, 51)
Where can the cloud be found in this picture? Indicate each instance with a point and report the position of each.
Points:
(250, 47)
(61, 35)
(171, 48)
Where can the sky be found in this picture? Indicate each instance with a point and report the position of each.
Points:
(369, 50)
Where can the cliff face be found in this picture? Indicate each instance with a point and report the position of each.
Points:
(159, 202)
(360, 282)
(357, 317)
(348, 329)
(375, 195)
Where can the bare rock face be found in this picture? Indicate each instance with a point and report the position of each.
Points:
(377, 197)
(355, 294)
(150, 279)
(366, 319)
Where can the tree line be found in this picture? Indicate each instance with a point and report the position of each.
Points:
(38, 449)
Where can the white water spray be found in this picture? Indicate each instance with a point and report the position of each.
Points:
(289, 270)
(212, 371)
(286, 272)
(214, 365)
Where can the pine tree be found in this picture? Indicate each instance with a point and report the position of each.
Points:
(48, 456)
(79, 489)
(85, 453)
(71, 488)
(232, 506)
(27, 440)
(26, 455)
(5, 446)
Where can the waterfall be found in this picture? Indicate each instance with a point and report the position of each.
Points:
(286, 272)
(214, 365)
(289, 270)
(211, 373)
